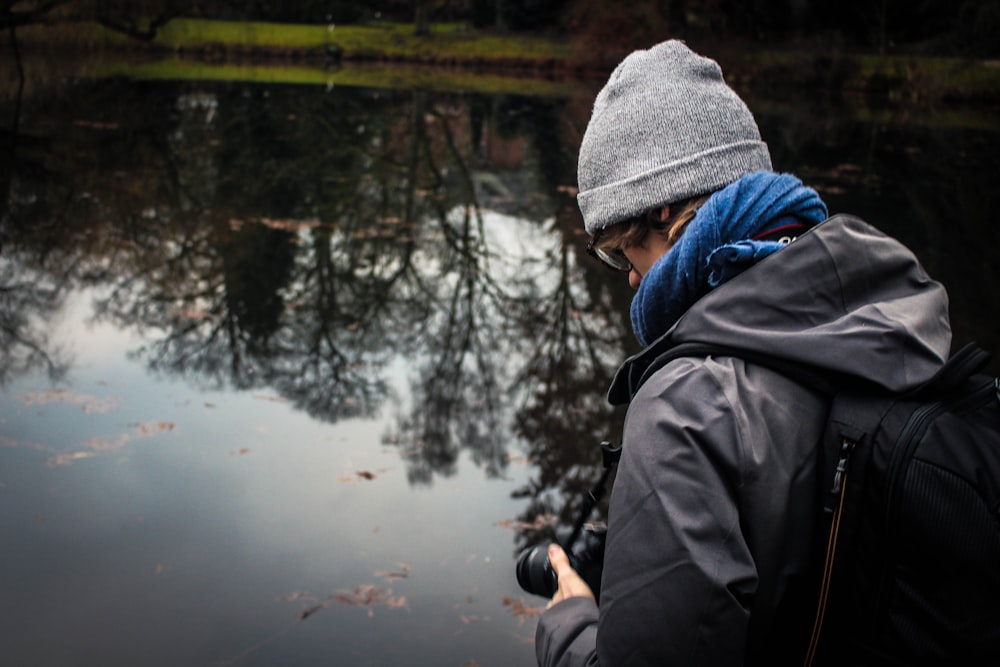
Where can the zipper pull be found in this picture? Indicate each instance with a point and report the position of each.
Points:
(846, 447)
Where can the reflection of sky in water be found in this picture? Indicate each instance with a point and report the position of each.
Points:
(196, 526)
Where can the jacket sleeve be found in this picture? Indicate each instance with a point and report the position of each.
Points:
(678, 576)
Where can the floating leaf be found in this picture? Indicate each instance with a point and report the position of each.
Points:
(65, 459)
(100, 446)
(273, 399)
(87, 402)
(541, 522)
(152, 428)
(306, 613)
(521, 610)
(343, 598)
(402, 573)
(367, 595)
(366, 475)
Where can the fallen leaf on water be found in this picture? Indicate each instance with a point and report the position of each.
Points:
(343, 599)
(293, 596)
(87, 402)
(100, 446)
(367, 595)
(365, 475)
(273, 399)
(306, 613)
(541, 522)
(65, 459)
(389, 575)
(521, 610)
(8, 442)
(152, 428)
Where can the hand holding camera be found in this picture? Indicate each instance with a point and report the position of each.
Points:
(571, 584)
(583, 559)
(571, 566)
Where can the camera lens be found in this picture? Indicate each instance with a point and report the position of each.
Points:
(534, 573)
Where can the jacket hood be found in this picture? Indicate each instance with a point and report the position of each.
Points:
(844, 297)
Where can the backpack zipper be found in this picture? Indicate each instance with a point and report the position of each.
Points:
(917, 424)
(915, 427)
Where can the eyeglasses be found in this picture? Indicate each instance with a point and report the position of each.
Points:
(613, 258)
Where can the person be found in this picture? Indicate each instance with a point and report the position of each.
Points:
(711, 520)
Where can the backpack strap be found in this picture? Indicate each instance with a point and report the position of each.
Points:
(963, 364)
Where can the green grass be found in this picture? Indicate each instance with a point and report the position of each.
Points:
(447, 42)
(397, 77)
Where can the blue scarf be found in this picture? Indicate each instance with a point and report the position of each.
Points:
(717, 246)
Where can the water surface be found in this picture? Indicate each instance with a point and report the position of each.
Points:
(291, 373)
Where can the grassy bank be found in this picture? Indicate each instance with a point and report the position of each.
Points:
(395, 76)
(232, 47)
(448, 44)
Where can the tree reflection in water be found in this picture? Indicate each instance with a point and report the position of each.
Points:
(306, 242)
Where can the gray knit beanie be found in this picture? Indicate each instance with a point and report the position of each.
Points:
(665, 127)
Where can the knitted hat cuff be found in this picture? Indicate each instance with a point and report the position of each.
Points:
(696, 174)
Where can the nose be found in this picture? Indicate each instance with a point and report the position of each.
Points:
(634, 278)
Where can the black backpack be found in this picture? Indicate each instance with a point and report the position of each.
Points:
(911, 569)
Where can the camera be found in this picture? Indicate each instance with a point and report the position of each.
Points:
(583, 544)
(586, 554)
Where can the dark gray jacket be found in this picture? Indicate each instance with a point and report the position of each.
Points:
(712, 511)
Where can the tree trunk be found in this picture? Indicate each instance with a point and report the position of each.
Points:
(422, 24)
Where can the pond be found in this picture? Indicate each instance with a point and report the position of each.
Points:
(291, 373)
